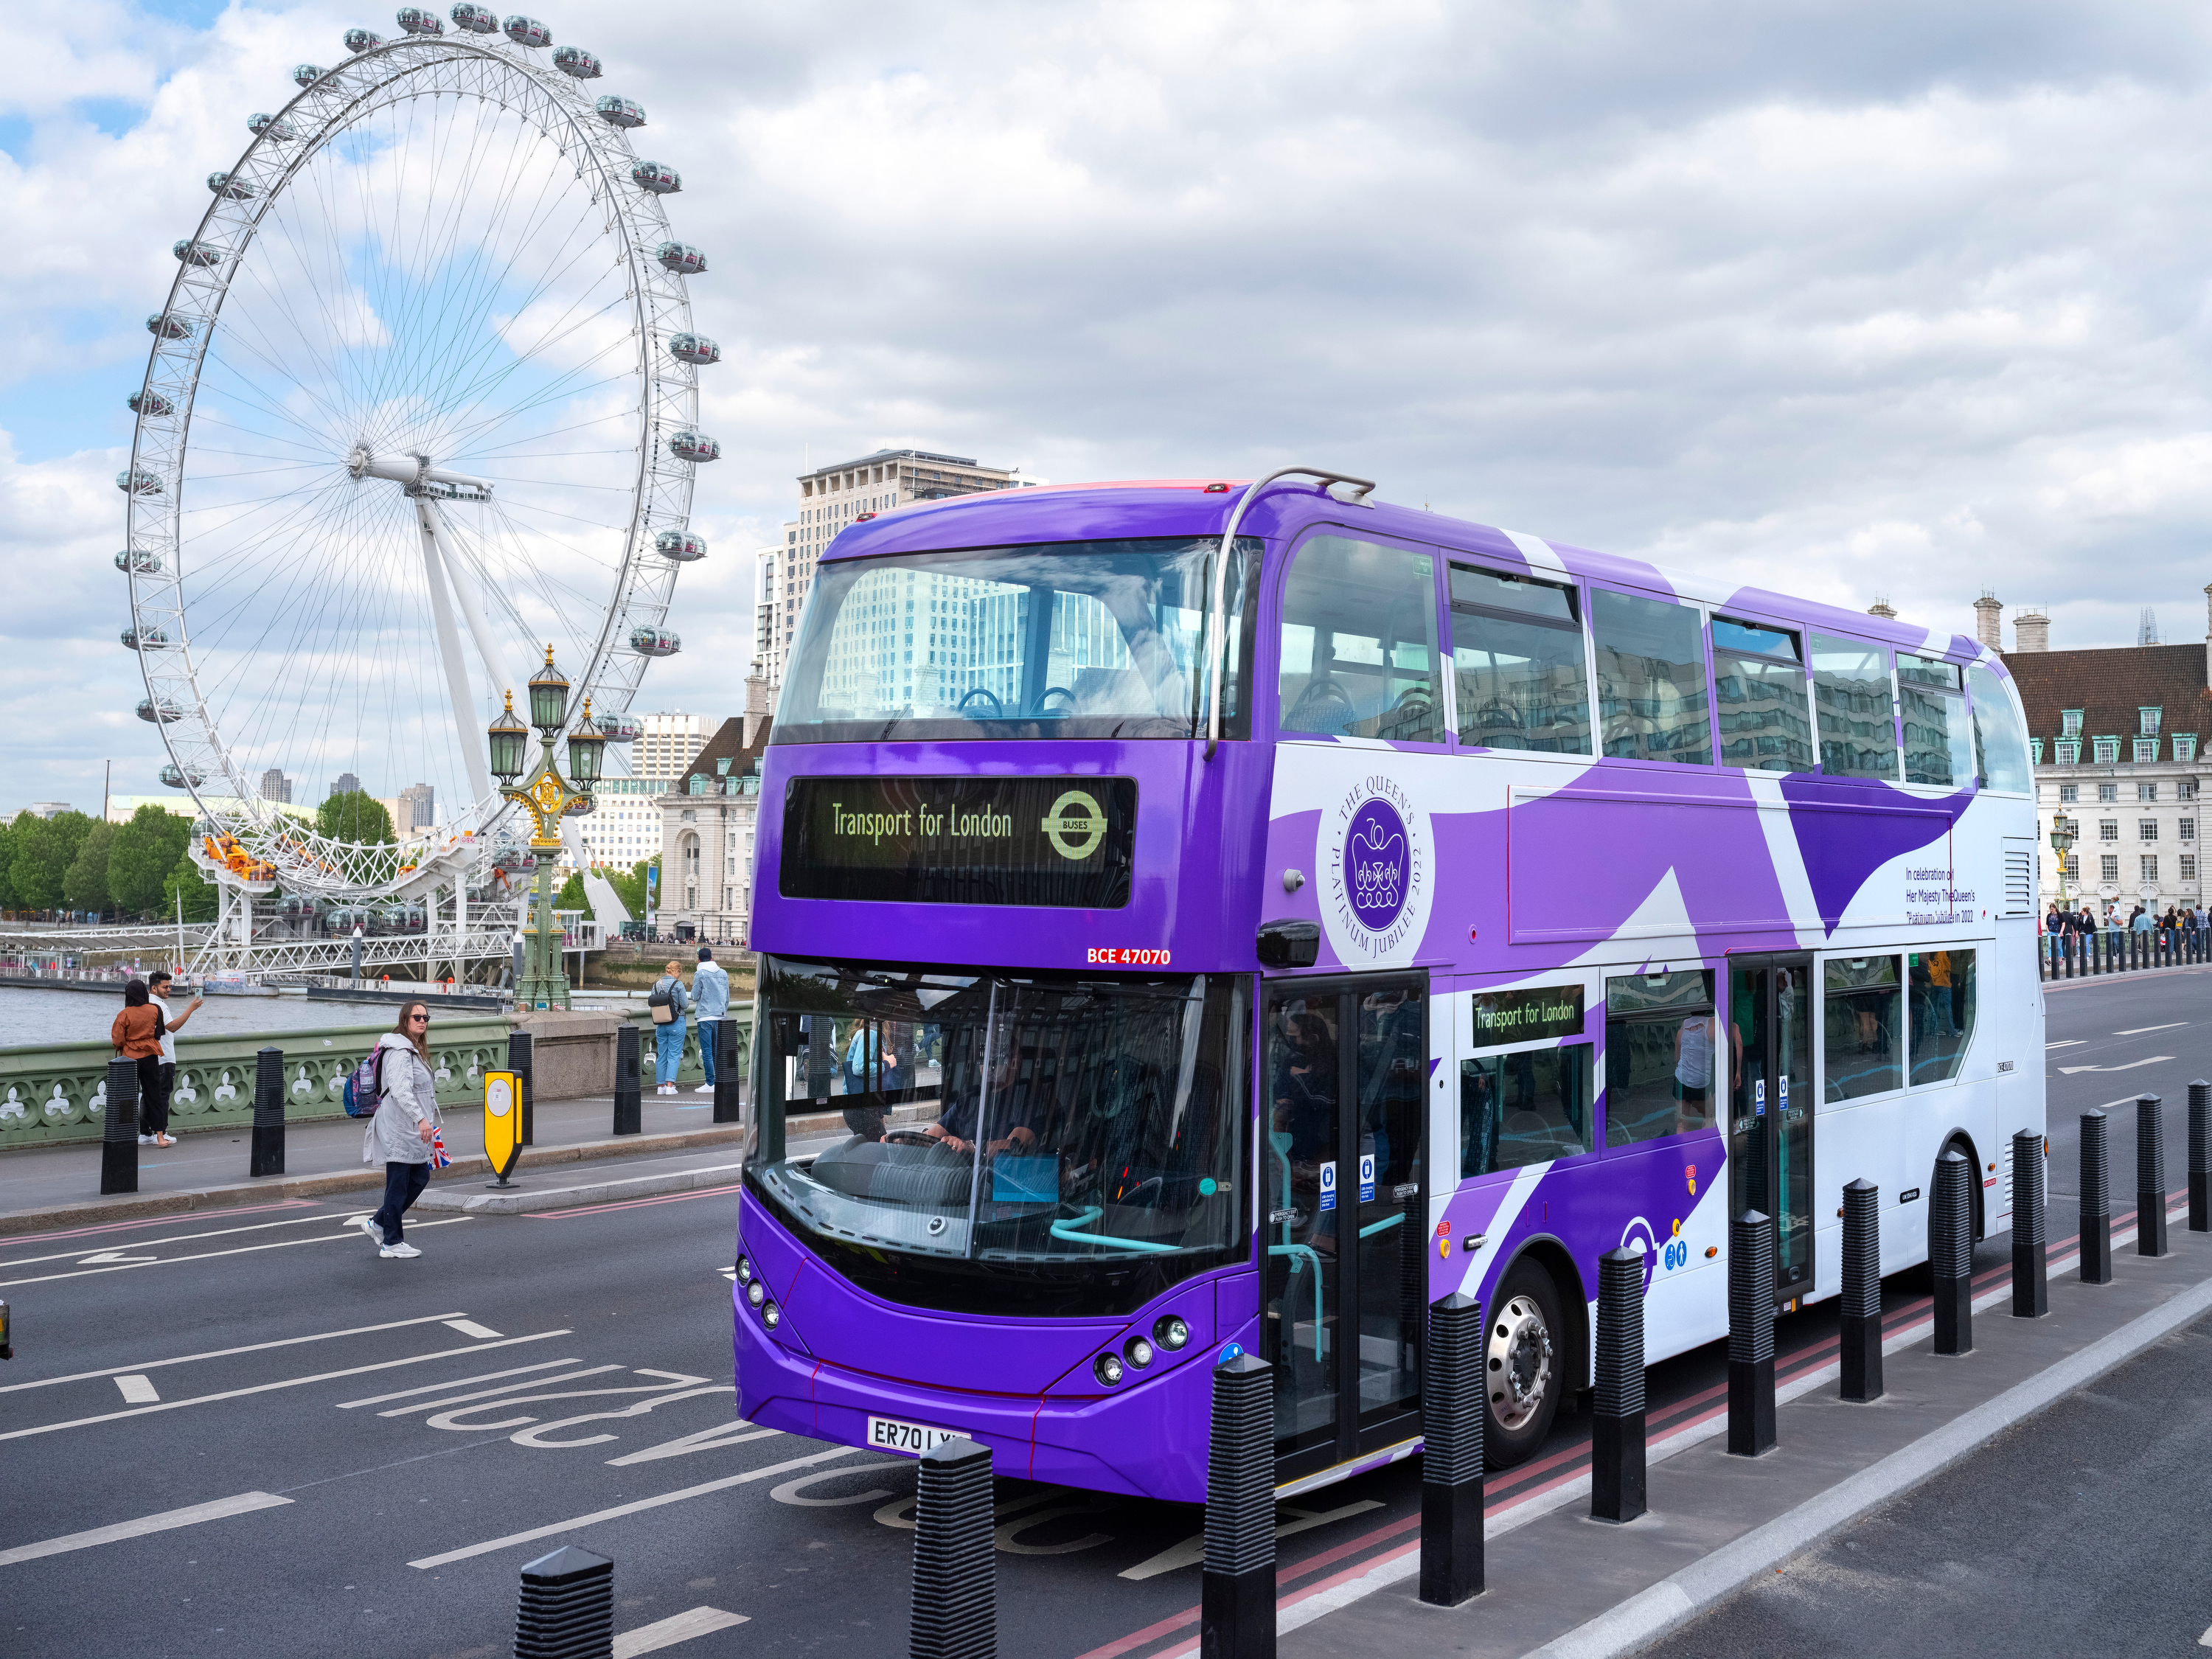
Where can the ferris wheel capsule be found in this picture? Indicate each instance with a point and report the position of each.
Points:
(528, 32)
(417, 20)
(149, 403)
(689, 446)
(196, 253)
(306, 74)
(619, 728)
(226, 184)
(159, 711)
(144, 639)
(169, 326)
(137, 481)
(654, 641)
(657, 176)
(574, 60)
(275, 127)
(362, 40)
(138, 562)
(176, 777)
(694, 348)
(682, 258)
(681, 545)
(623, 112)
(477, 20)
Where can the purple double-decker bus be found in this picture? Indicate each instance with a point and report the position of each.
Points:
(1162, 950)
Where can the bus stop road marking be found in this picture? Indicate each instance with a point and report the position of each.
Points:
(245, 1503)
(78, 1254)
(642, 1504)
(226, 1353)
(667, 1633)
(138, 1390)
(631, 1204)
(265, 1387)
(14, 1239)
(455, 1382)
(210, 1255)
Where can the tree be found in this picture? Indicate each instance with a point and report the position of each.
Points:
(571, 896)
(350, 815)
(143, 853)
(85, 884)
(44, 850)
(8, 899)
(630, 888)
(199, 893)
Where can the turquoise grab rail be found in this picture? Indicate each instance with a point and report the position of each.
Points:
(1383, 1225)
(1064, 1230)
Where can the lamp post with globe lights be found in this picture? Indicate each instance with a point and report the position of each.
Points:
(545, 795)
(2062, 834)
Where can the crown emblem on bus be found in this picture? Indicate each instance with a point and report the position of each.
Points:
(1075, 826)
(1375, 865)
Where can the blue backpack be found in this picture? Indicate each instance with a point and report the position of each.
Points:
(364, 1090)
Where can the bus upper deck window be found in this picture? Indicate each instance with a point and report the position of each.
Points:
(1758, 690)
(1360, 643)
(1939, 744)
(2000, 746)
(1652, 678)
(1517, 662)
(1857, 721)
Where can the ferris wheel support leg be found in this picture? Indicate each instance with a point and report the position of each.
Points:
(458, 567)
(449, 649)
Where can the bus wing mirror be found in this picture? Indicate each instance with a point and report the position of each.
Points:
(1290, 944)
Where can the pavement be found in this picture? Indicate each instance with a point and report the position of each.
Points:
(244, 1432)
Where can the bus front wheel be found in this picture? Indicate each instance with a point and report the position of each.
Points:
(1523, 1365)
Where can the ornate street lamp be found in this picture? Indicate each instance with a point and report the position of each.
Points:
(2062, 833)
(546, 796)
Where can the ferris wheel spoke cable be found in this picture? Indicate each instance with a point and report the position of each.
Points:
(499, 372)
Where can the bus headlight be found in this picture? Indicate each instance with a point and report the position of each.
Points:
(1170, 1332)
(745, 1271)
(1139, 1351)
(1109, 1368)
(771, 1316)
(755, 1293)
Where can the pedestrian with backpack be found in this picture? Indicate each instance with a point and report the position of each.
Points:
(403, 1125)
(667, 1002)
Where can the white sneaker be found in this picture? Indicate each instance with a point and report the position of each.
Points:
(145, 1141)
(367, 1225)
(398, 1252)
(704, 1088)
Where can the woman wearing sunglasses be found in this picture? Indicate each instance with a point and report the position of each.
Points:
(405, 1124)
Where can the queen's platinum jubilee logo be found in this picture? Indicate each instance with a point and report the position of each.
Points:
(1379, 873)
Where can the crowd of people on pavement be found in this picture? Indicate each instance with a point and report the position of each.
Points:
(2140, 920)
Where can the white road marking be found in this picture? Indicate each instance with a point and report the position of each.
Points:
(1192, 1549)
(2068, 1071)
(245, 1503)
(2071, 1042)
(2171, 1024)
(210, 1255)
(225, 1354)
(667, 1633)
(621, 1509)
(453, 1382)
(487, 1394)
(722, 1434)
(2205, 1640)
(180, 1238)
(469, 1328)
(264, 1388)
(115, 1256)
(138, 1390)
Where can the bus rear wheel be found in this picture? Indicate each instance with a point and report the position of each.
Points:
(1523, 1368)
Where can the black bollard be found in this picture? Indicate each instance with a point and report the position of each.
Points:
(955, 1595)
(2200, 1154)
(1751, 1335)
(2150, 1176)
(628, 1118)
(1236, 1586)
(518, 1061)
(567, 1607)
(268, 1155)
(1951, 1253)
(2096, 1202)
(729, 1070)
(2031, 1268)
(1617, 1467)
(1452, 1417)
(1862, 1300)
(118, 1136)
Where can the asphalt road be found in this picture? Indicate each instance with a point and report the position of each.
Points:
(2079, 1532)
(432, 1424)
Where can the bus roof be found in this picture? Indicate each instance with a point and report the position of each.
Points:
(1202, 507)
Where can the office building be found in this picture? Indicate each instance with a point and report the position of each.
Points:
(346, 784)
(420, 801)
(276, 787)
(670, 743)
(708, 817)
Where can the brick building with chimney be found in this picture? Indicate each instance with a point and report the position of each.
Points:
(707, 819)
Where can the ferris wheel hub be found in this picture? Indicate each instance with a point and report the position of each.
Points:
(415, 474)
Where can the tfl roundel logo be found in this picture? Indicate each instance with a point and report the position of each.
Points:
(1376, 858)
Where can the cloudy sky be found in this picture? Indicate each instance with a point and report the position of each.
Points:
(1876, 299)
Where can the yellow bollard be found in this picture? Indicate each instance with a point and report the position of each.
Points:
(502, 1123)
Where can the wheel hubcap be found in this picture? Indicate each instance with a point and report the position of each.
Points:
(1519, 1362)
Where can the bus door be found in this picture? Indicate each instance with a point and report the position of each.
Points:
(1770, 1009)
(1343, 1146)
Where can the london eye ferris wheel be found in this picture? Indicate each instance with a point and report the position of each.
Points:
(423, 400)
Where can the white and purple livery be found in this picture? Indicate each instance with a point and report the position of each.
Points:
(1160, 951)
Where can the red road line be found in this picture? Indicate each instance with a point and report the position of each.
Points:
(169, 1220)
(632, 1203)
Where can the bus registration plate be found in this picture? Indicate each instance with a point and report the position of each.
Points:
(890, 1434)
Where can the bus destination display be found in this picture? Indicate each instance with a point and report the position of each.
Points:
(1065, 842)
